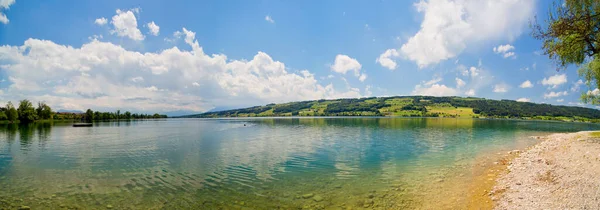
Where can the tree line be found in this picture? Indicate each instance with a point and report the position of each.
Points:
(25, 112)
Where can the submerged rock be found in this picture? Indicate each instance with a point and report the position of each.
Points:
(318, 198)
(308, 195)
(109, 206)
(24, 208)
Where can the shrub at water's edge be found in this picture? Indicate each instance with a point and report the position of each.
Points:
(27, 113)
(416, 106)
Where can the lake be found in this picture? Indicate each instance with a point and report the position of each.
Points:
(257, 163)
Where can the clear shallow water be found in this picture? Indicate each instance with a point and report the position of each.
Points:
(270, 163)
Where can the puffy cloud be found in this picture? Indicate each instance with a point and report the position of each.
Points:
(460, 83)
(362, 77)
(432, 88)
(101, 21)
(125, 25)
(269, 19)
(344, 64)
(386, 59)
(189, 38)
(435, 90)
(102, 75)
(555, 81)
(526, 84)
(523, 100)
(505, 50)
(560, 100)
(555, 94)
(501, 88)
(153, 28)
(474, 71)
(450, 26)
(470, 92)
(4, 5)
(594, 92)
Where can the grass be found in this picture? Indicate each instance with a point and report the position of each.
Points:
(595, 134)
(451, 111)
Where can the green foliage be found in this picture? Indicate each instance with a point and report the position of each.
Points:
(26, 112)
(44, 111)
(89, 115)
(3, 115)
(571, 36)
(11, 112)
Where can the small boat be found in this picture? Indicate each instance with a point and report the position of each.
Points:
(82, 124)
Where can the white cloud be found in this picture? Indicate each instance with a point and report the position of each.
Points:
(432, 88)
(505, 50)
(189, 38)
(344, 64)
(195, 84)
(523, 100)
(470, 92)
(555, 81)
(125, 25)
(269, 19)
(101, 21)
(555, 94)
(386, 59)
(362, 77)
(560, 100)
(501, 88)
(460, 83)
(432, 81)
(153, 28)
(104, 76)
(450, 26)
(576, 86)
(594, 92)
(4, 5)
(526, 84)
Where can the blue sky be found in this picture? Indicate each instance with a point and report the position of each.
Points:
(197, 55)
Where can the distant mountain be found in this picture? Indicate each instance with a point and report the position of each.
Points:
(415, 106)
(222, 108)
(179, 113)
(69, 111)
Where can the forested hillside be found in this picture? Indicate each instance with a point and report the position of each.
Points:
(416, 106)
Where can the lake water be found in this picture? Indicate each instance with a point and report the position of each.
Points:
(268, 163)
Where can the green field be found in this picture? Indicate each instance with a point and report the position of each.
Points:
(417, 106)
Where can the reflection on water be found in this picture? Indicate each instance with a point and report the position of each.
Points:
(265, 163)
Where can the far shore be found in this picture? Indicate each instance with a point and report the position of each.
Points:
(560, 172)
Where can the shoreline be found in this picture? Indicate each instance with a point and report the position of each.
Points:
(562, 171)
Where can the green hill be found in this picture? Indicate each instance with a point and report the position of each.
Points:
(416, 106)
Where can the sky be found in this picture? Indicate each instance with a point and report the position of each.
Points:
(196, 56)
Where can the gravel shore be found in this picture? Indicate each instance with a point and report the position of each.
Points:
(561, 172)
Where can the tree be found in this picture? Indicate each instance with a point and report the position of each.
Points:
(3, 115)
(89, 115)
(11, 112)
(572, 36)
(127, 115)
(44, 111)
(26, 112)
